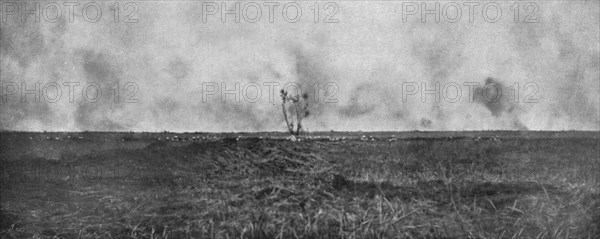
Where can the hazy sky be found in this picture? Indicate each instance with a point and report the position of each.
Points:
(165, 68)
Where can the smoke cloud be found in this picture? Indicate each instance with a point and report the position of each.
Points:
(545, 75)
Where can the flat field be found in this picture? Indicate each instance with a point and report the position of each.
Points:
(322, 185)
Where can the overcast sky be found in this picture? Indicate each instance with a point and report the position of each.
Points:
(369, 61)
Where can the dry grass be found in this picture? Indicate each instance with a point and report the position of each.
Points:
(507, 187)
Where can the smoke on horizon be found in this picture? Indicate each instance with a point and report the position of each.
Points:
(368, 55)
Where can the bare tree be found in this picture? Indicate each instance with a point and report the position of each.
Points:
(294, 109)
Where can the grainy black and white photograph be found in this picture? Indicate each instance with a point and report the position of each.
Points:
(300, 119)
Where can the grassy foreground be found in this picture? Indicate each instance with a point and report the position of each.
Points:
(122, 185)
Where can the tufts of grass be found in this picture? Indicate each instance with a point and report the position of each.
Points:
(270, 188)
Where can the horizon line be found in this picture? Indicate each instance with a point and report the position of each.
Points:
(285, 132)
